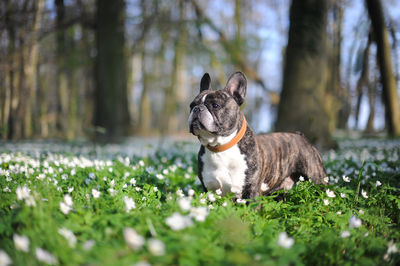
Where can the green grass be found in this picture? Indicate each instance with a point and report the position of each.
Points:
(231, 234)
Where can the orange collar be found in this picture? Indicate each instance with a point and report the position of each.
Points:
(235, 140)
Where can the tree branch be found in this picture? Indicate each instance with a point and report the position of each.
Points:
(236, 58)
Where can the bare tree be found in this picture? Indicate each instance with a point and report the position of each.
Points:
(389, 86)
(111, 105)
(302, 104)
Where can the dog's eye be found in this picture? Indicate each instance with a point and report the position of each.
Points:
(216, 106)
(192, 106)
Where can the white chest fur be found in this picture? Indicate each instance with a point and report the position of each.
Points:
(224, 170)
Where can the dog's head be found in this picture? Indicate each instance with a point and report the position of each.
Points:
(215, 114)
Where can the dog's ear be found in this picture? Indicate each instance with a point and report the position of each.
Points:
(205, 83)
(236, 86)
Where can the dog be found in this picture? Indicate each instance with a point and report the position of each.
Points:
(232, 158)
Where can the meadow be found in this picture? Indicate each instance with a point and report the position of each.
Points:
(140, 203)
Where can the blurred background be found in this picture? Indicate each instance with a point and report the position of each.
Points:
(102, 69)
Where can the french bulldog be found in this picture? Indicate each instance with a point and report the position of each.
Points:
(232, 158)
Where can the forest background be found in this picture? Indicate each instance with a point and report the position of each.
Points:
(86, 69)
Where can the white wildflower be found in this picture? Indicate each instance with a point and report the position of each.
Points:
(339, 212)
(129, 203)
(342, 195)
(364, 194)
(378, 183)
(346, 179)
(345, 234)
(95, 193)
(301, 178)
(361, 212)
(69, 236)
(70, 189)
(112, 192)
(142, 263)
(125, 186)
(264, 187)
(6, 189)
(184, 204)
(5, 260)
(88, 245)
(156, 247)
(284, 240)
(68, 200)
(224, 204)
(133, 239)
(190, 169)
(330, 193)
(160, 176)
(21, 242)
(354, 222)
(23, 192)
(191, 192)
(65, 208)
(178, 222)
(392, 247)
(241, 201)
(326, 180)
(203, 201)
(112, 183)
(218, 192)
(155, 189)
(30, 201)
(211, 197)
(132, 181)
(199, 213)
(179, 192)
(326, 202)
(45, 256)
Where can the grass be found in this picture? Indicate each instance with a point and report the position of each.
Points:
(147, 208)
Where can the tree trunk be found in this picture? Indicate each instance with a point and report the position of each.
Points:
(10, 103)
(363, 81)
(61, 87)
(169, 123)
(31, 71)
(342, 92)
(238, 22)
(145, 114)
(302, 105)
(372, 90)
(20, 96)
(389, 86)
(111, 104)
